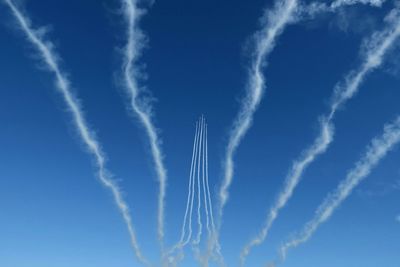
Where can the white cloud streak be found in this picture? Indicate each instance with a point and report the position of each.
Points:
(199, 192)
(373, 52)
(199, 162)
(172, 259)
(50, 58)
(375, 152)
(274, 22)
(316, 8)
(141, 107)
(210, 206)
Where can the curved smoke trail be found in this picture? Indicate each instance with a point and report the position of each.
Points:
(45, 50)
(374, 50)
(141, 108)
(199, 223)
(276, 21)
(317, 7)
(375, 152)
(205, 183)
(210, 207)
(194, 158)
(187, 219)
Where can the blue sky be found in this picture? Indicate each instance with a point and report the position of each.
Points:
(55, 213)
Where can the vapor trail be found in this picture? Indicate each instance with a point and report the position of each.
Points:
(142, 107)
(187, 220)
(193, 186)
(276, 21)
(210, 207)
(199, 223)
(373, 50)
(190, 185)
(45, 49)
(376, 151)
(317, 7)
(273, 25)
(205, 183)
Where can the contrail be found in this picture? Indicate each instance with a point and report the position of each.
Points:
(275, 22)
(208, 195)
(45, 49)
(187, 220)
(142, 108)
(374, 50)
(199, 223)
(198, 183)
(319, 7)
(194, 155)
(376, 151)
(204, 177)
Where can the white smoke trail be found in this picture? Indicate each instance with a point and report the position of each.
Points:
(316, 8)
(193, 188)
(199, 222)
(45, 49)
(376, 151)
(210, 207)
(205, 183)
(276, 20)
(374, 52)
(141, 108)
(190, 185)
(187, 220)
(291, 181)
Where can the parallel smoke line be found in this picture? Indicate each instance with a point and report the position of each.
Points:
(142, 108)
(375, 152)
(187, 220)
(374, 50)
(205, 184)
(199, 223)
(189, 187)
(45, 50)
(210, 207)
(206, 188)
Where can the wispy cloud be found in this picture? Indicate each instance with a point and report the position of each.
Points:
(140, 106)
(46, 51)
(373, 51)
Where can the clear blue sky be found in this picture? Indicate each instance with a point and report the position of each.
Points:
(53, 211)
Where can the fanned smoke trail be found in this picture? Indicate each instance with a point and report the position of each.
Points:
(374, 50)
(375, 152)
(275, 22)
(141, 107)
(45, 49)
